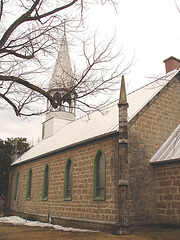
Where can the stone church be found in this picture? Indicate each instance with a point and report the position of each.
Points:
(110, 171)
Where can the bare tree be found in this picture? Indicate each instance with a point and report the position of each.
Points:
(177, 6)
(27, 43)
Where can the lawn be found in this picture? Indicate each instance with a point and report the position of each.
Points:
(20, 232)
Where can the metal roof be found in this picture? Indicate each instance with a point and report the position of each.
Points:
(141, 97)
(96, 124)
(170, 150)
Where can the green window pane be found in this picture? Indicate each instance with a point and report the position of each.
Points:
(45, 183)
(68, 180)
(16, 186)
(99, 177)
(29, 183)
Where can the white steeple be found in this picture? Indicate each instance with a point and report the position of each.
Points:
(61, 87)
(62, 76)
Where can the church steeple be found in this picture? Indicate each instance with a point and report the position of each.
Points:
(61, 88)
(62, 76)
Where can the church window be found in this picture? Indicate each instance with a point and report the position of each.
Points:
(99, 183)
(29, 183)
(57, 98)
(16, 186)
(45, 183)
(68, 179)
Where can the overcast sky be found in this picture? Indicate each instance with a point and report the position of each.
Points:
(149, 30)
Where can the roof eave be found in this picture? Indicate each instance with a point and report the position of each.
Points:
(100, 137)
(165, 161)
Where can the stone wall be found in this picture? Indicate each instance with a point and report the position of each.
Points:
(168, 193)
(82, 205)
(1, 207)
(148, 132)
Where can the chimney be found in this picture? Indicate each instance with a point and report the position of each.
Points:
(171, 63)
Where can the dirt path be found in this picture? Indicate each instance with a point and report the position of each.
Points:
(12, 232)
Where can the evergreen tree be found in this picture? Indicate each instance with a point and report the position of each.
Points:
(8, 149)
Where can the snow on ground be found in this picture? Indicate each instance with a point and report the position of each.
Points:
(20, 221)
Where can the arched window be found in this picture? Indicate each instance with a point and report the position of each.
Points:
(29, 183)
(57, 98)
(16, 186)
(99, 184)
(68, 179)
(45, 183)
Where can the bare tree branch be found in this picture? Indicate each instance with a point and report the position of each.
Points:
(30, 86)
(17, 23)
(28, 43)
(11, 103)
(177, 6)
(38, 17)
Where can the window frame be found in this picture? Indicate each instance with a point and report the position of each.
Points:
(29, 185)
(45, 193)
(96, 197)
(66, 180)
(16, 186)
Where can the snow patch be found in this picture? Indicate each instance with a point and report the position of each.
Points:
(20, 221)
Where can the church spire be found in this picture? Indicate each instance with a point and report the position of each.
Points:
(123, 98)
(61, 88)
(62, 80)
(62, 76)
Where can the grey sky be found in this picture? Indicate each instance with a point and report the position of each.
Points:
(149, 30)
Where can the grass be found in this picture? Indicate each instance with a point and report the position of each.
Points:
(18, 232)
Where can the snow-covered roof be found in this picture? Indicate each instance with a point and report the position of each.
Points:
(170, 150)
(97, 124)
